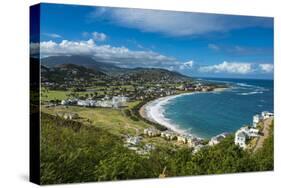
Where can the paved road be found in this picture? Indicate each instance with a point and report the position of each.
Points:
(266, 123)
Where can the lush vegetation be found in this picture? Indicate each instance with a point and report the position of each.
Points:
(75, 152)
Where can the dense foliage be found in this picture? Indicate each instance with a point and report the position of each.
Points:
(73, 152)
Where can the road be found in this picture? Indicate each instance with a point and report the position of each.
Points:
(266, 123)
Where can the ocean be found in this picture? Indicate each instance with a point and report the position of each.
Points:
(208, 114)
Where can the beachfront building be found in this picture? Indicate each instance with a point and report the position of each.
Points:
(256, 120)
(151, 132)
(217, 139)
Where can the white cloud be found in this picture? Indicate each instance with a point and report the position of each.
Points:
(214, 47)
(121, 56)
(226, 67)
(52, 35)
(266, 68)
(99, 36)
(177, 23)
(186, 65)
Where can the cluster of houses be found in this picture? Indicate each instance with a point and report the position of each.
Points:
(248, 132)
(133, 143)
(106, 102)
(195, 87)
(191, 141)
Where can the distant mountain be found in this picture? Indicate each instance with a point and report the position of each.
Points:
(85, 61)
(154, 74)
(86, 65)
(64, 72)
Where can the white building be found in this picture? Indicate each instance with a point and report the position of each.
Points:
(86, 103)
(243, 134)
(240, 139)
(256, 120)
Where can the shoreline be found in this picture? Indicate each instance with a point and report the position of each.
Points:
(152, 111)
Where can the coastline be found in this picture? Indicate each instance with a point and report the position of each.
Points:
(153, 111)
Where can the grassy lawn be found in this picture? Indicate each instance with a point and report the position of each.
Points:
(112, 120)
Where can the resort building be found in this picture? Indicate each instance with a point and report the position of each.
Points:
(217, 139)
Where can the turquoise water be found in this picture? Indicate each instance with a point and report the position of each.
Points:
(208, 114)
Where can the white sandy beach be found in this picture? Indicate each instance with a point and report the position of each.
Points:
(154, 111)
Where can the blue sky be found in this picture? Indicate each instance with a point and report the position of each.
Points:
(203, 45)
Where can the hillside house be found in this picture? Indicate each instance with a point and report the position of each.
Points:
(244, 134)
(152, 132)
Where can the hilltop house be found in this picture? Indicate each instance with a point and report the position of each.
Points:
(217, 139)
